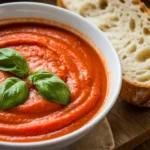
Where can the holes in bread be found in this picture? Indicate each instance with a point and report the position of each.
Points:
(146, 31)
(122, 1)
(132, 24)
(148, 67)
(142, 9)
(141, 40)
(117, 48)
(143, 55)
(104, 27)
(141, 24)
(85, 8)
(103, 4)
(132, 49)
(143, 78)
(127, 43)
(114, 18)
(139, 16)
(135, 2)
(140, 72)
(112, 10)
(124, 57)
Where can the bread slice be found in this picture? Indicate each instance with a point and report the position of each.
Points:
(127, 25)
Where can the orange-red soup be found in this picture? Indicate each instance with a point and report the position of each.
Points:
(69, 57)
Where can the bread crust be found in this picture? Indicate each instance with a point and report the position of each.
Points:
(131, 92)
(144, 8)
(61, 4)
(135, 95)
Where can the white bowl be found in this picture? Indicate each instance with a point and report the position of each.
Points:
(103, 46)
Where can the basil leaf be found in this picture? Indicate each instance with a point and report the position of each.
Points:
(13, 92)
(12, 61)
(50, 87)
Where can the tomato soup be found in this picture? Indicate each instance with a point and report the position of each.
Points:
(69, 57)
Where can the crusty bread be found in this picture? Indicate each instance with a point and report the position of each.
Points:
(127, 25)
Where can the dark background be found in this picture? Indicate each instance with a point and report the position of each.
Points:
(147, 2)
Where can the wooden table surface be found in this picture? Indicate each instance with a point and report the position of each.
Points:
(130, 124)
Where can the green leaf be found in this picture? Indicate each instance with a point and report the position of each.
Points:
(12, 61)
(51, 87)
(13, 92)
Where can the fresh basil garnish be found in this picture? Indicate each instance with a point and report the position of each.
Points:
(12, 61)
(50, 87)
(13, 92)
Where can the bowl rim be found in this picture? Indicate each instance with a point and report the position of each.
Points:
(97, 118)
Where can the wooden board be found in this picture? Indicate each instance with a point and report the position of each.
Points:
(144, 146)
(130, 124)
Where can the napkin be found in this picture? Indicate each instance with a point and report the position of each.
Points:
(100, 138)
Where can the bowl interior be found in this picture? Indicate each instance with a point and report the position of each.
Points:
(101, 42)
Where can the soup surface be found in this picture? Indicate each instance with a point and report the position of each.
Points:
(69, 57)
